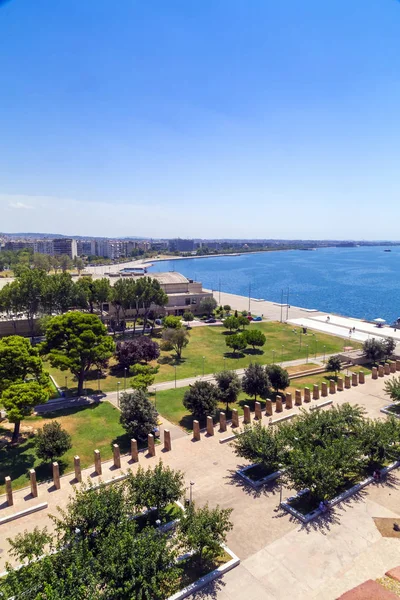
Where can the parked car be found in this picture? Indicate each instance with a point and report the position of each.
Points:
(210, 320)
(156, 432)
(257, 318)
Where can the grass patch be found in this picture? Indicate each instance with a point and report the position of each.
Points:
(259, 471)
(192, 570)
(92, 427)
(172, 511)
(284, 343)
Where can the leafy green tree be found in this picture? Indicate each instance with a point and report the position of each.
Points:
(204, 530)
(175, 339)
(151, 294)
(30, 286)
(77, 341)
(138, 415)
(208, 305)
(334, 364)
(101, 292)
(231, 323)
(52, 441)
(201, 399)
(374, 350)
(79, 264)
(42, 262)
(19, 361)
(278, 377)
(164, 487)
(172, 322)
(19, 400)
(29, 545)
(255, 338)
(65, 262)
(259, 444)
(392, 388)
(243, 322)
(389, 346)
(227, 307)
(188, 316)
(237, 342)
(255, 381)
(143, 376)
(229, 386)
(380, 440)
(60, 293)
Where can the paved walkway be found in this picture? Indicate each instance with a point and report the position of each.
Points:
(280, 558)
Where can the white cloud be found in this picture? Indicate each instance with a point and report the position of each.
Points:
(20, 205)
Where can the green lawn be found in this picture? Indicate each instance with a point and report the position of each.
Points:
(91, 428)
(284, 343)
(169, 402)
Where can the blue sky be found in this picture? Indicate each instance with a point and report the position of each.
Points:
(200, 118)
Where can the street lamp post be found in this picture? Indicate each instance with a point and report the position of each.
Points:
(191, 493)
(118, 384)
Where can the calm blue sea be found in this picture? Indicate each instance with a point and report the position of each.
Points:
(358, 282)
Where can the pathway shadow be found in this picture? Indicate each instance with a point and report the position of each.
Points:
(209, 591)
(267, 489)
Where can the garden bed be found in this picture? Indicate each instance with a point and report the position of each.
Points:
(194, 577)
(392, 409)
(169, 519)
(300, 506)
(257, 475)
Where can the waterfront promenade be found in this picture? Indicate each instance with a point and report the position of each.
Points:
(281, 558)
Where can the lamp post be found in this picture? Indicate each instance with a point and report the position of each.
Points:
(191, 493)
(203, 364)
(125, 379)
(118, 384)
(324, 352)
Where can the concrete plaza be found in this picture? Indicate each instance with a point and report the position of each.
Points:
(281, 558)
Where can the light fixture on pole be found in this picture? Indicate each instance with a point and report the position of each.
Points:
(191, 493)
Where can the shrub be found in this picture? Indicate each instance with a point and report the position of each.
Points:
(138, 415)
(52, 441)
(201, 399)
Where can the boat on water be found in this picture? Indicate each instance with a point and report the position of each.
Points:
(387, 250)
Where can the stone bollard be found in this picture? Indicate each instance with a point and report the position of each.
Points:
(392, 367)
(347, 383)
(257, 411)
(77, 469)
(134, 450)
(374, 373)
(332, 386)
(340, 385)
(361, 377)
(307, 394)
(246, 414)
(268, 408)
(9, 493)
(297, 397)
(315, 392)
(97, 462)
(381, 370)
(235, 418)
(116, 456)
(324, 389)
(397, 365)
(56, 475)
(387, 369)
(196, 430)
(278, 404)
(354, 379)
(289, 400)
(151, 447)
(222, 421)
(167, 440)
(210, 426)
(32, 478)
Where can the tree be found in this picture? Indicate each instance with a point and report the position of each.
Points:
(79, 264)
(237, 342)
(138, 415)
(101, 292)
(77, 341)
(60, 293)
(201, 399)
(204, 530)
(19, 399)
(392, 388)
(231, 323)
(389, 346)
(380, 440)
(229, 386)
(259, 444)
(334, 364)
(52, 441)
(164, 486)
(176, 339)
(172, 322)
(42, 262)
(255, 337)
(65, 262)
(279, 378)
(29, 545)
(188, 316)
(143, 376)
(227, 307)
(208, 305)
(255, 381)
(374, 350)
(243, 322)
(19, 360)
(30, 286)
(139, 349)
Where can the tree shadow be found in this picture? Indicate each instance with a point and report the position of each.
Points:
(253, 351)
(251, 403)
(65, 412)
(165, 360)
(268, 489)
(228, 332)
(234, 355)
(115, 371)
(124, 443)
(209, 591)
(16, 460)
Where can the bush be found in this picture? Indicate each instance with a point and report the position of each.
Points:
(143, 376)
(255, 337)
(201, 399)
(188, 316)
(52, 441)
(231, 323)
(392, 388)
(138, 415)
(172, 322)
(236, 342)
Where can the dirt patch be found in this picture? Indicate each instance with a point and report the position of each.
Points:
(385, 527)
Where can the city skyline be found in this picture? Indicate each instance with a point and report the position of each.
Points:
(220, 120)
